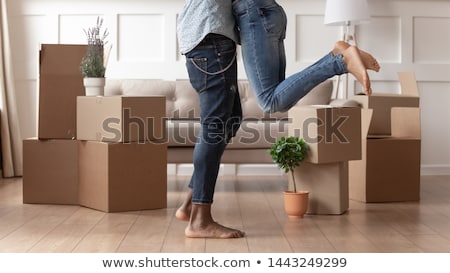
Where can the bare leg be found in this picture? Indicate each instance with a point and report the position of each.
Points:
(368, 60)
(184, 211)
(202, 225)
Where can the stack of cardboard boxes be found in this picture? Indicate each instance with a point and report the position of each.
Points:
(369, 153)
(106, 153)
(389, 170)
(50, 161)
(122, 153)
(334, 137)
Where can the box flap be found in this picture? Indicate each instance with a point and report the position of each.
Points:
(405, 122)
(408, 84)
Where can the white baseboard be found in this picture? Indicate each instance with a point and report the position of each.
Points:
(228, 169)
(435, 170)
(258, 169)
(171, 169)
(183, 169)
(272, 169)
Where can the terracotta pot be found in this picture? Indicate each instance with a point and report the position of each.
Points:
(296, 203)
(94, 86)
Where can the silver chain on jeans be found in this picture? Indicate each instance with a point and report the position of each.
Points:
(218, 72)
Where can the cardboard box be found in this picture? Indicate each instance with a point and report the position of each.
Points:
(332, 133)
(60, 82)
(390, 168)
(383, 103)
(327, 185)
(50, 171)
(116, 177)
(121, 118)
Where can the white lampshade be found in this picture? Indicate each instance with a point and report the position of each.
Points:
(346, 12)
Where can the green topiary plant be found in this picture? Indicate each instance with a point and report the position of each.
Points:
(92, 64)
(287, 153)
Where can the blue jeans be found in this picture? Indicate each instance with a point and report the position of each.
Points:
(212, 70)
(262, 26)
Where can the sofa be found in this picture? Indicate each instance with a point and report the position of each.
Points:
(258, 129)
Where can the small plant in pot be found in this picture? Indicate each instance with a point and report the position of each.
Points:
(288, 153)
(93, 64)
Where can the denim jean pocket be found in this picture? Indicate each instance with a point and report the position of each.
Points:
(196, 69)
(274, 20)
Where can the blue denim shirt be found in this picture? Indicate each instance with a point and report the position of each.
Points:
(201, 17)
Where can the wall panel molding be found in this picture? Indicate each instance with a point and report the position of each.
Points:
(404, 35)
(431, 47)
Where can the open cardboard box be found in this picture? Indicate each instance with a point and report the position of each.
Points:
(382, 103)
(389, 170)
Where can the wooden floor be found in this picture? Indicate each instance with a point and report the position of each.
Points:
(253, 204)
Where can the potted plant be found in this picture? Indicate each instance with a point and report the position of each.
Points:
(93, 64)
(288, 153)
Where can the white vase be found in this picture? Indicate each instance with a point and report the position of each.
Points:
(94, 86)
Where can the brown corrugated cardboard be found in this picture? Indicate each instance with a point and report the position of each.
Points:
(393, 170)
(332, 133)
(121, 118)
(50, 171)
(60, 82)
(406, 122)
(116, 177)
(383, 103)
(327, 185)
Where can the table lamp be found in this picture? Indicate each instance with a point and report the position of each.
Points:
(346, 13)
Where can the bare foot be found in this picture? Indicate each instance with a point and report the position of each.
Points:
(183, 214)
(213, 230)
(202, 225)
(368, 60)
(355, 66)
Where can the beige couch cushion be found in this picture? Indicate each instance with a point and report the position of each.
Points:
(182, 101)
(320, 95)
(258, 130)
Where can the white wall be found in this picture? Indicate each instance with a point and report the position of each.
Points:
(405, 35)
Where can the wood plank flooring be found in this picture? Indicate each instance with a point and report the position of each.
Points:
(251, 203)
